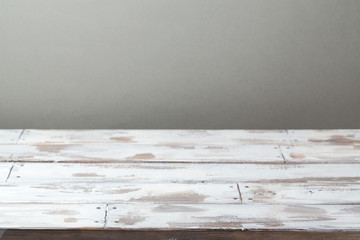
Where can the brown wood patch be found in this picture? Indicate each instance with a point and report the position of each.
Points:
(175, 235)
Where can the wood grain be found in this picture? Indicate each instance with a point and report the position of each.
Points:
(336, 192)
(323, 146)
(167, 183)
(50, 216)
(157, 137)
(182, 173)
(183, 183)
(115, 192)
(341, 154)
(115, 152)
(225, 216)
(340, 137)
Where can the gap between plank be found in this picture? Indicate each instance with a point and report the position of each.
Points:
(238, 187)
(282, 154)
(10, 171)
(21, 134)
(106, 213)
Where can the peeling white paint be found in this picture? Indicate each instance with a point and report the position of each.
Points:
(180, 179)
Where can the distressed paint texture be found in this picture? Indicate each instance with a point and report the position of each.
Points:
(180, 179)
(118, 152)
(51, 216)
(252, 217)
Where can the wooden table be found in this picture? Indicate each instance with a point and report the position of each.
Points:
(179, 184)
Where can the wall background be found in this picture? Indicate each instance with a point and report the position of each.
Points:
(180, 64)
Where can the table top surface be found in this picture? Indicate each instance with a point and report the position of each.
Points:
(180, 179)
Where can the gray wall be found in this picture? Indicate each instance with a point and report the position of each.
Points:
(180, 64)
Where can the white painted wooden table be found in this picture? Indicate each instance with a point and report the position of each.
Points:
(280, 180)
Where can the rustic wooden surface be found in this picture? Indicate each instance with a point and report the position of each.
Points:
(181, 180)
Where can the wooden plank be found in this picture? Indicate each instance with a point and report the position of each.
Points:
(309, 146)
(311, 192)
(8, 136)
(5, 169)
(326, 192)
(181, 179)
(111, 183)
(325, 137)
(46, 191)
(175, 138)
(224, 216)
(182, 173)
(176, 235)
(342, 137)
(321, 154)
(52, 216)
(143, 153)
